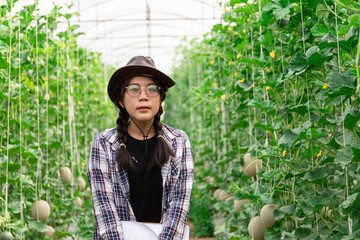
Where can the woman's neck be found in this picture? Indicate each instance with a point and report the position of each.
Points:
(136, 133)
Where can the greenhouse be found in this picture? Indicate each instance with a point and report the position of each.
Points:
(262, 98)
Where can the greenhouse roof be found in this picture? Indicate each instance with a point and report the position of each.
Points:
(122, 29)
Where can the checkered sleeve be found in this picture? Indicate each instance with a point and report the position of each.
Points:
(174, 224)
(108, 225)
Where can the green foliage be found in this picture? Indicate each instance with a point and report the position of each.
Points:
(52, 102)
(281, 82)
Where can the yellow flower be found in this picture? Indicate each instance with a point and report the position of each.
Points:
(330, 135)
(96, 99)
(229, 42)
(272, 53)
(211, 62)
(309, 166)
(196, 196)
(236, 73)
(238, 56)
(242, 80)
(229, 63)
(218, 109)
(11, 49)
(62, 103)
(268, 88)
(99, 113)
(223, 96)
(214, 84)
(289, 125)
(344, 35)
(238, 4)
(315, 124)
(236, 33)
(230, 29)
(267, 69)
(83, 164)
(342, 68)
(244, 30)
(325, 85)
(75, 68)
(289, 57)
(94, 91)
(96, 60)
(44, 78)
(284, 153)
(352, 65)
(224, 9)
(79, 102)
(268, 131)
(319, 154)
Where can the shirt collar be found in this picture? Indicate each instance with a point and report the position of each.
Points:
(110, 135)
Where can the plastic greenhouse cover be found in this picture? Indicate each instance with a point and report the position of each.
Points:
(120, 29)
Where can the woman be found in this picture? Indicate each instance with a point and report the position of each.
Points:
(142, 170)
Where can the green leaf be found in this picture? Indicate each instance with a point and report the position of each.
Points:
(319, 30)
(314, 56)
(341, 84)
(38, 226)
(351, 199)
(344, 156)
(316, 175)
(291, 136)
(352, 116)
(302, 233)
(284, 211)
(298, 62)
(329, 40)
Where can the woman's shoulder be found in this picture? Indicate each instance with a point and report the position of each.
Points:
(108, 135)
(172, 133)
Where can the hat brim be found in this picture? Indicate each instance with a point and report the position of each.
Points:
(131, 71)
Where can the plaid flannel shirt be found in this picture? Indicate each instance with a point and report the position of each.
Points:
(111, 193)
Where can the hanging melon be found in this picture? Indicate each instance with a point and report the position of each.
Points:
(239, 203)
(78, 202)
(81, 184)
(251, 166)
(256, 228)
(40, 210)
(267, 215)
(6, 236)
(50, 233)
(65, 174)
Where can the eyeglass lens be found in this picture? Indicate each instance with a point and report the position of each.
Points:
(134, 90)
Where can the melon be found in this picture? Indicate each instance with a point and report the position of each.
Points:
(6, 236)
(65, 174)
(239, 203)
(81, 184)
(40, 210)
(247, 157)
(50, 232)
(216, 193)
(223, 195)
(252, 166)
(267, 215)
(231, 198)
(257, 228)
(79, 202)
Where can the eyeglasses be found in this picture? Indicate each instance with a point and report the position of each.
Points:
(134, 90)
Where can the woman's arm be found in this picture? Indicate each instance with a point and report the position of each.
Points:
(107, 219)
(178, 208)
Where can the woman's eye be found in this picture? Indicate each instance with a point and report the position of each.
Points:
(152, 88)
(134, 89)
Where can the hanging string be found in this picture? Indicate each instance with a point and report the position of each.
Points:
(20, 133)
(47, 98)
(8, 117)
(343, 122)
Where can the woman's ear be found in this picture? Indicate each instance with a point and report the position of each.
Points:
(120, 103)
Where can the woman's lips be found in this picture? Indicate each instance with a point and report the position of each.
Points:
(143, 109)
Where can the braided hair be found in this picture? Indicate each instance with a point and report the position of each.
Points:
(162, 150)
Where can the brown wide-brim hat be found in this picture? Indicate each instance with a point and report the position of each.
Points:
(137, 66)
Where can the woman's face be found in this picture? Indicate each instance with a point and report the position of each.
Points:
(141, 108)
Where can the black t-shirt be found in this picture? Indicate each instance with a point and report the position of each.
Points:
(146, 184)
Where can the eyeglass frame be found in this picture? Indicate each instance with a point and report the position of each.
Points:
(157, 90)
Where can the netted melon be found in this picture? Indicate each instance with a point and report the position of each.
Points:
(65, 174)
(267, 215)
(256, 228)
(40, 210)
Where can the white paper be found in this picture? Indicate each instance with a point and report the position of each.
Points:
(145, 231)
